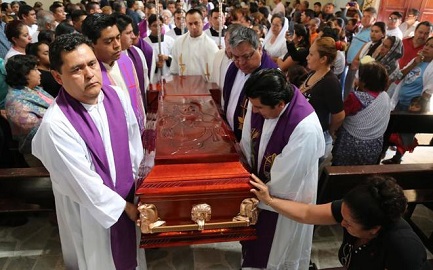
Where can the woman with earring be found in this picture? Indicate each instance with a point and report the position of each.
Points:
(375, 234)
(323, 90)
(18, 35)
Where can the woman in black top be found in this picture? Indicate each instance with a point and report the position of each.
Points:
(297, 49)
(41, 51)
(376, 237)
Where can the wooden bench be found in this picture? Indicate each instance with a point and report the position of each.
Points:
(25, 190)
(415, 179)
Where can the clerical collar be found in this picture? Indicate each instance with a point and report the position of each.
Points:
(154, 39)
(178, 31)
(215, 33)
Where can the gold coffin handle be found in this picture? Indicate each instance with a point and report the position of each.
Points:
(201, 213)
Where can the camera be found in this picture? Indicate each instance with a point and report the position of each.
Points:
(352, 4)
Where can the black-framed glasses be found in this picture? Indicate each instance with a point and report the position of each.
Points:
(347, 255)
(244, 57)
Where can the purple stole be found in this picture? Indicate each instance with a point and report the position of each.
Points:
(148, 53)
(142, 27)
(122, 233)
(138, 64)
(256, 252)
(241, 109)
(126, 67)
(206, 26)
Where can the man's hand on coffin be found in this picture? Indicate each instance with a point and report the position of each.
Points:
(260, 190)
(132, 211)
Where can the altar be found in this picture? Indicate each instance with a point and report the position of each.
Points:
(198, 191)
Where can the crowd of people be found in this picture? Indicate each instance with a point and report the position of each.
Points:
(299, 86)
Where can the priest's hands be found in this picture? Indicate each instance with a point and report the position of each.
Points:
(132, 211)
(261, 190)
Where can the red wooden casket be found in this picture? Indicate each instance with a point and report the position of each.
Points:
(198, 190)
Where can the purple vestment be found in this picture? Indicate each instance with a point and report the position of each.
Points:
(148, 54)
(256, 252)
(138, 64)
(126, 67)
(123, 238)
(266, 62)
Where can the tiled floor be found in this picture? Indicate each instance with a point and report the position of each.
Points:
(36, 246)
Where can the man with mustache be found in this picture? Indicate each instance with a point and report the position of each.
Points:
(90, 143)
(116, 67)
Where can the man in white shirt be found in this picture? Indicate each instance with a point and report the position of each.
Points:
(28, 15)
(410, 23)
(213, 30)
(194, 52)
(176, 31)
(394, 21)
(93, 178)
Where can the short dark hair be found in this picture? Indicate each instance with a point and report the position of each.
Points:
(425, 23)
(130, 3)
(194, 11)
(270, 86)
(13, 29)
(64, 28)
(378, 202)
(372, 10)
(33, 48)
(24, 10)
(396, 13)
(95, 23)
(317, 4)
(65, 43)
(118, 5)
(382, 27)
(47, 36)
(91, 5)
(152, 19)
(413, 11)
(374, 76)
(55, 5)
(18, 67)
(122, 21)
(309, 13)
(76, 14)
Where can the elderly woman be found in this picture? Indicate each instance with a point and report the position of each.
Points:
(375, 234)
(275, 40)
(18, 35)
(297, 49)
(322, 88)
(360, 138)
(389, 54)
(418, 81)
(26, 102)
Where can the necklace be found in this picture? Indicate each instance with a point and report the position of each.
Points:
(305, 87)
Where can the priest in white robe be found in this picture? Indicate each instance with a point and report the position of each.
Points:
(193, 53)
(93, 179)
(282, 140)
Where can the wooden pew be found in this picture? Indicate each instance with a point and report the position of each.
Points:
(415, 179)
(25, 190)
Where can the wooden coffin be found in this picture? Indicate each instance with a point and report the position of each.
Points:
(197, 162)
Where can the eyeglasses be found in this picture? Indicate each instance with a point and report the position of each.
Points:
(347, 255)
(244, 57)
(394, 19)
